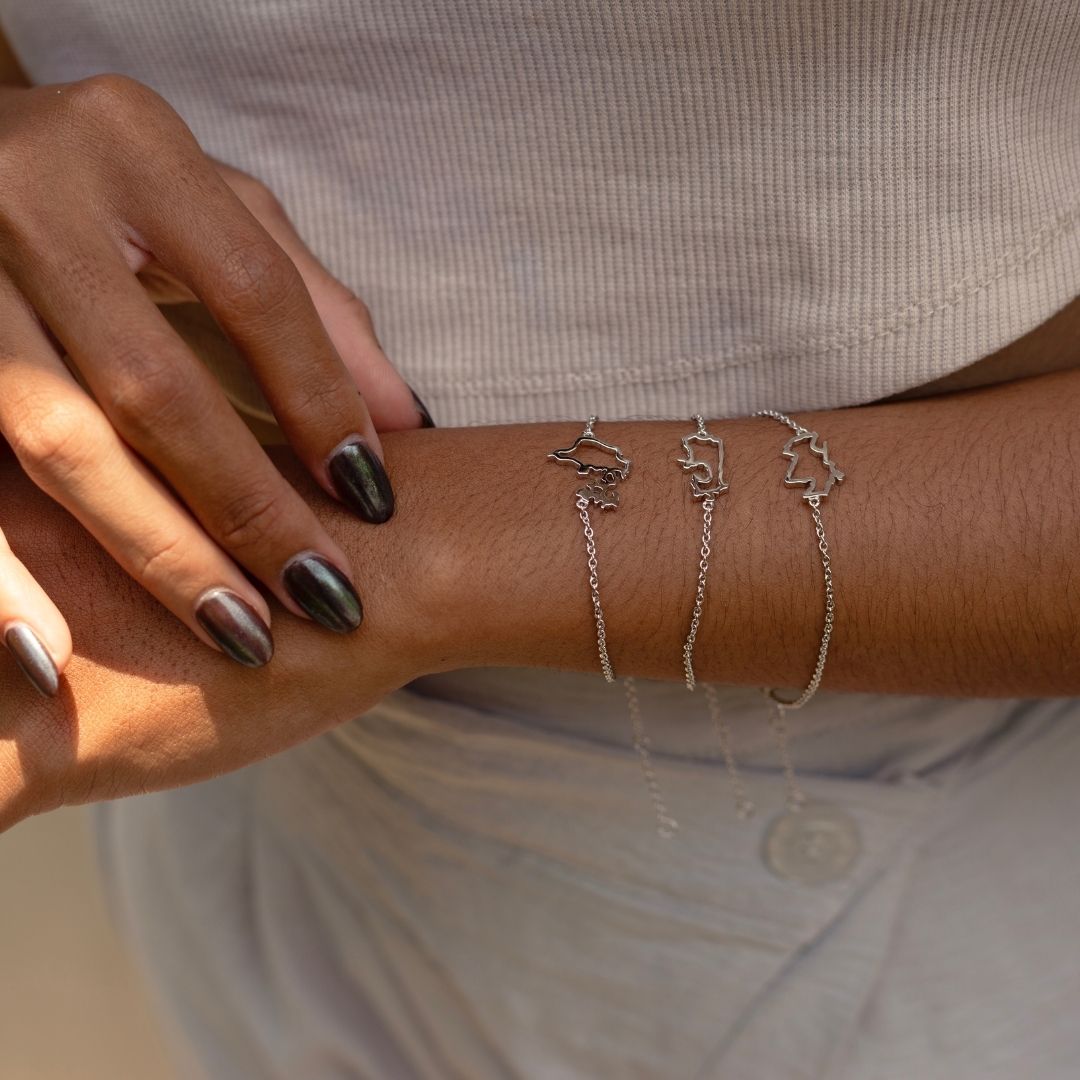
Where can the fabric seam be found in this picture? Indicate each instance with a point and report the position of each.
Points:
(911, 314)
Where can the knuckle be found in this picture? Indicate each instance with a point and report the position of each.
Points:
(148, 389)
(258, 275)
(160, 561)
(357, 308)
(324, 402)
(59, 143)
(50, 441)
(250, 519)
(111, 98)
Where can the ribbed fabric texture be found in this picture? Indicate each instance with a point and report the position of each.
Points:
(643, 208)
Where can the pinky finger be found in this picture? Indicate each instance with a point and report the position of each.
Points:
(31, 626)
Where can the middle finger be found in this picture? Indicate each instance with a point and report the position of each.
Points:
(259, 298)
(169, 408)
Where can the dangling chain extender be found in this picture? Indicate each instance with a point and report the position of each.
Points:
(601, 490)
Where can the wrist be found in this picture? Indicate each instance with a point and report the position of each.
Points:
(443, 550)
(408, 570)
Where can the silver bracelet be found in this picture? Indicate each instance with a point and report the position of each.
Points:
(706, 484)
(813, 496)
(601, 489)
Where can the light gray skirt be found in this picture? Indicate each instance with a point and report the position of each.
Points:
(467, 882)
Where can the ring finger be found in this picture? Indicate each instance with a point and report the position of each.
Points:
(71, 451)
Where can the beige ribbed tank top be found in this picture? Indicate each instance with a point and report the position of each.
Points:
(641, 209)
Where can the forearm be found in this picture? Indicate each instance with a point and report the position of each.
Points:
(953, 553)
(952, 540)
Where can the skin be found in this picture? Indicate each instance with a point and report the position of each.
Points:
(1053, 346)
(107, 203)
(952, 540)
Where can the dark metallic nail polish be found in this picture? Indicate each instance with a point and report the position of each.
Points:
(361, 481)
(33, 658)
(422, 409)
(324, 592)
(236, 626)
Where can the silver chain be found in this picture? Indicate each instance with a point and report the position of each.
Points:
(602, 492)
(795, 795)
(699, 600)
(706, 485)
(782, 417)
(780, 707)
(830, 608)
(666, 825)
(744, 807)
(594, 588)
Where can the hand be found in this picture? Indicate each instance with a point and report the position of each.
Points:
(146, 707)
(100, 180)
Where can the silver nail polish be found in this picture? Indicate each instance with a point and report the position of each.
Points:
(34, 660)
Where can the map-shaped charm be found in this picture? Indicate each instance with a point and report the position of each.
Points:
(601, 488)
(821, 450)
(705, 483)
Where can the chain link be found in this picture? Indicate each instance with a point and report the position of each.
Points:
(666, 825)
(594, 589)
(783, 418)
(699, 600)
(830, 609)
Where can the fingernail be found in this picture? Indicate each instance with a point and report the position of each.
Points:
(422, 409)
(324, 593)
(33, 659)
(361, 482)
(236, 626)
